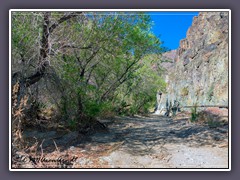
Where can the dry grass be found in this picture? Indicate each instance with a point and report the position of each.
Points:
(18, 116)
(212, 118)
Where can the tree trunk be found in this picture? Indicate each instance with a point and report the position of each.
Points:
(80, 109)
(43, 61)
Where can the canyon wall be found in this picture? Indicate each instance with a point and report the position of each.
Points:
(199, 72)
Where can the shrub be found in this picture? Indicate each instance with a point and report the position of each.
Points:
(73, 123)
(194, 114)
(203, 117)
(213, 123)
(210, 93)
(184, 91)
(97, 109)
(209, 119)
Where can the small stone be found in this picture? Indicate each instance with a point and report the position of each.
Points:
(72, 148)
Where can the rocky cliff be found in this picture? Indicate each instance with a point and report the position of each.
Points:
(199, 73)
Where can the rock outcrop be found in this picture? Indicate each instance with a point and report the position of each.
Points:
(199, 74)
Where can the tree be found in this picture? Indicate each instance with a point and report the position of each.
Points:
(94, 57)
(31, 34)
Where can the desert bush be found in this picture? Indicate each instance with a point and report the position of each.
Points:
(210, 92)
(203, 117)
(184, 91)
(93, 109)
(194, 114)
(73, 124)
(213, 123)
(211, 120)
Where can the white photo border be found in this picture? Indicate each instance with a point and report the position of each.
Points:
(126, 10)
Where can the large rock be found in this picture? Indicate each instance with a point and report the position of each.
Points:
(199, 73)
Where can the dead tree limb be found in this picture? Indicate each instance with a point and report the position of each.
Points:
(44, 50)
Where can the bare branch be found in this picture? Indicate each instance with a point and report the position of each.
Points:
(44, 50)
(76, 47)
(62, 19)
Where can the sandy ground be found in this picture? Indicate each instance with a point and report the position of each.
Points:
(160, 142)
(177, 156)
(137, 142)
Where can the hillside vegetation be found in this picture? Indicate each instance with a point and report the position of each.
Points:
(69, 68)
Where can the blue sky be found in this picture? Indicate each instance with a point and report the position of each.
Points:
(171, 26)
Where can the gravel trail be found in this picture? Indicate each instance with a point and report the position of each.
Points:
(160, 142)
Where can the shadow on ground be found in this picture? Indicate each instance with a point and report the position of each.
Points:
(138, 135)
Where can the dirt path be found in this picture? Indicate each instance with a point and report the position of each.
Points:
(160, 142)
(140, 142)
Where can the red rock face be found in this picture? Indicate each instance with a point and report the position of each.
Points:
(217, 111)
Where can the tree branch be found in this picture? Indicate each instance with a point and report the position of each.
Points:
(119, 80)
(44, 51)
(76, 47)
(62, 19)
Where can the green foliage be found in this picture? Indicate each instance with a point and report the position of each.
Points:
(39, 105)
(93, 109)
(194, 114)
(73, 124)
(213, 123)
(26, 29)
(68, 109)
(140, 92)
(101, 61)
